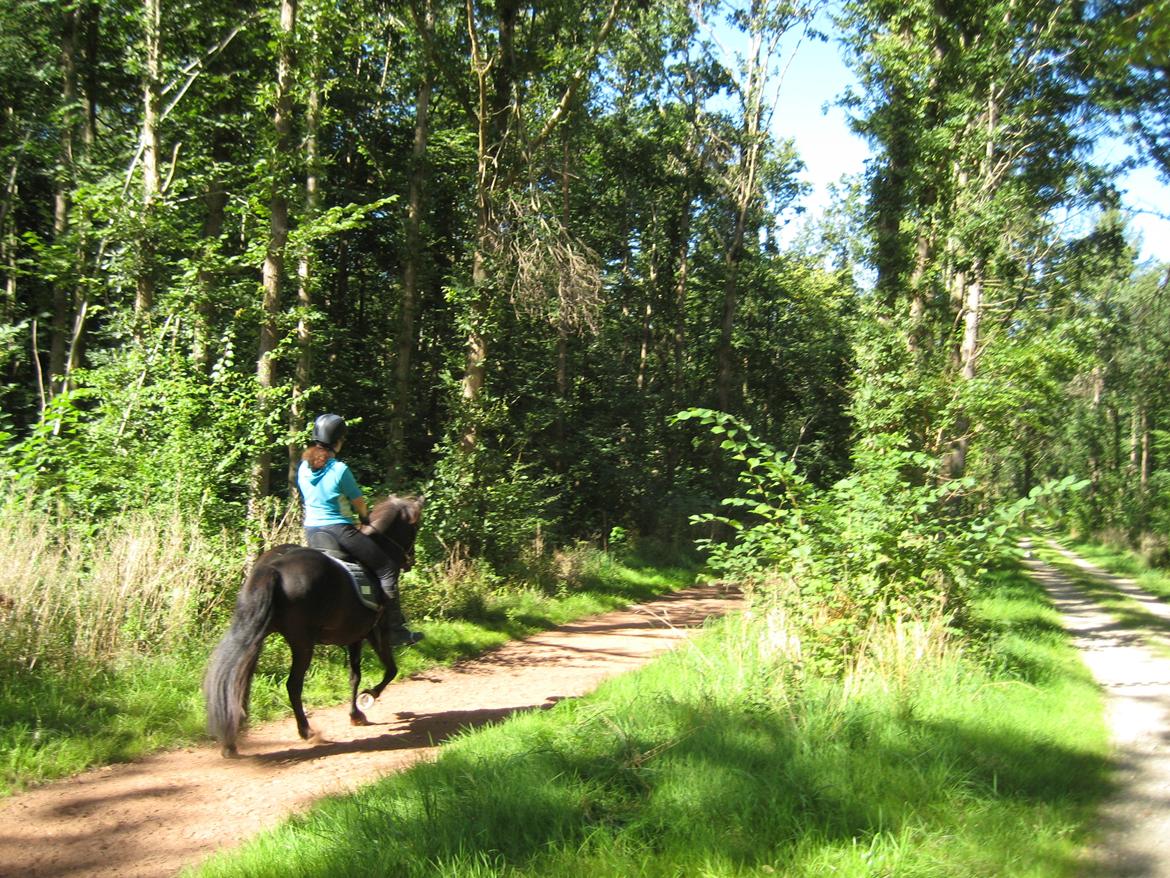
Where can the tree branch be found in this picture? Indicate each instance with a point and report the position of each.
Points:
(551, 123)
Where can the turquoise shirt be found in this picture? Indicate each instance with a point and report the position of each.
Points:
(322, 491)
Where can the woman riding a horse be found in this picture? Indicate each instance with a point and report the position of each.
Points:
(323, 480)
(308, 597)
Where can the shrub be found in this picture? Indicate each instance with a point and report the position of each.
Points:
(893, 540)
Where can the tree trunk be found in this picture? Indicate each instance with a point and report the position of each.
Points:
(498, 122)
(90, 23)
(8, 244)
(562, 324)
(144, 294)
(63, 184)
(412, 263)
(744, 188)
(644, 347)
(487, 153)
(955, 462)
(273, 272)
(1147, 465)
(215, 203)
(305, 276)
(917, 335)
(681, 278)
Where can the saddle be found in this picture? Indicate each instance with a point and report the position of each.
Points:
(365, 585)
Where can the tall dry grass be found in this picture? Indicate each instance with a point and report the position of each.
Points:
(142, 583)
(889, 654)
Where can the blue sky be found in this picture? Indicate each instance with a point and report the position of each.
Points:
(817, 76)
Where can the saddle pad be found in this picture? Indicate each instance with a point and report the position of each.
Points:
(367, 592)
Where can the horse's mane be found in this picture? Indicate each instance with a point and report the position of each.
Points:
(385, 512)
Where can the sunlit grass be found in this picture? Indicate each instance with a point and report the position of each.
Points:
(721, 759)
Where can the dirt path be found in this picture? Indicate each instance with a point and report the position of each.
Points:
(1135, 829)
(151, 818)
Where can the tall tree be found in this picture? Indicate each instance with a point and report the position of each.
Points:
(278, 228)
(509, 132)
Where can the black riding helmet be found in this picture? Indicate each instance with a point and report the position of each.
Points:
(328, 430)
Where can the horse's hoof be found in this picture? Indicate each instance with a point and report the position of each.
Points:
(307, 734)
(366, 700)
(358, 719)
(229, 751)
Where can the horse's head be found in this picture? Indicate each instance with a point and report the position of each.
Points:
(394, 526)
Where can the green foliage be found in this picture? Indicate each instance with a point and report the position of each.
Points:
(484, 502)
(892, 539)
(146, 430)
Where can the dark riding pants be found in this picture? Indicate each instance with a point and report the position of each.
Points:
(367, 552)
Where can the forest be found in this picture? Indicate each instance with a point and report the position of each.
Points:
(540, 256)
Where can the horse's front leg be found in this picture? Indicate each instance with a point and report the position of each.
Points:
(381, 644)
(302, 654)
(356, 717)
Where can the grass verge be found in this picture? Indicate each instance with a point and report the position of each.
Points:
(723, 759)
(1123, 562)
(56, 722)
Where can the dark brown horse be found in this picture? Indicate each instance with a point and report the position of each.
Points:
(308, 598)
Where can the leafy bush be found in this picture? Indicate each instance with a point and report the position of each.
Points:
(893, 539)
(483, 503)
(146, 430)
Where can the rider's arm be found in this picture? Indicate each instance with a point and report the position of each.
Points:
(359, 506)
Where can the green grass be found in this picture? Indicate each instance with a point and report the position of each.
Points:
(54, 723)
(722, 760)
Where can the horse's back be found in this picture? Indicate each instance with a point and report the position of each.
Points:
(316, 596)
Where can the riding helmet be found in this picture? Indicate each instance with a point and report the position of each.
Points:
(329, 429)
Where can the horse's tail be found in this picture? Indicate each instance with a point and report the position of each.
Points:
(228, 682)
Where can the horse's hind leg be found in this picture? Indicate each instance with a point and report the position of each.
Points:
(356, 717)
(302, 654)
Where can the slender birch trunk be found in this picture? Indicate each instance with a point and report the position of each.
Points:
(62, 190)
(306, 279)
(404, 342)
(144, 288)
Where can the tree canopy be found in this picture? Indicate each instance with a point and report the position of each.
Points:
(509, 241)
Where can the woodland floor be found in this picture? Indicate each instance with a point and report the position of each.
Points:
(1129, 655)
(155, 816)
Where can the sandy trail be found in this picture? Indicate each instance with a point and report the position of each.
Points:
(1135, 823)
(155, 816)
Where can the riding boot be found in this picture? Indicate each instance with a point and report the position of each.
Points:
(395, 626)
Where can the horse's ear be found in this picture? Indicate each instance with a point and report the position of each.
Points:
(417, 510)
(412, 511)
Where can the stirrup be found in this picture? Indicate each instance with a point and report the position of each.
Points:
(400, 635)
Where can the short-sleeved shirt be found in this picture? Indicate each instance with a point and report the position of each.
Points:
(322, 491)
